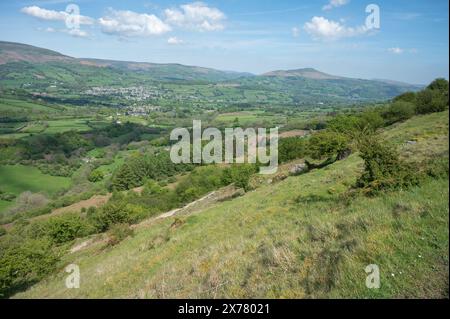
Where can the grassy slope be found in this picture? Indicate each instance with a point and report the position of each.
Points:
(297, 238)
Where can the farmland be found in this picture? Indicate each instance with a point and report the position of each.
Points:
(18, 178)
(87, 177)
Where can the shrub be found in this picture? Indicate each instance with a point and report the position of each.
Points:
(139, 168)
(119, 232)
(291, 148)
(66, 228)
(201, 181)
(383, 169)
(371, 119)
(2, 231)
(110, 214)
(345, 124)
(25, 262)
(406, 97)
(9, 197)
(327, 144)
(239, 175)
(399, 111)
(429, 101)
(439, 84)
(96, 176)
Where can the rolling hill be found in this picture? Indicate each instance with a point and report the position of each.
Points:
(22, 53)
(31, 68)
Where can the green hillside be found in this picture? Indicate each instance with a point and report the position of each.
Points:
(25, 63)
(304, 237)
(67, 79)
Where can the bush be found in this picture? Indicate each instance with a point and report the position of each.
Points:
(327, 144)
(201, 181)
(439, 84)
(371, 119)
(119, 232)
(345, 124)
(239, 175)
(65, 228)
(2, 231)
(406, 97)
(383, 170)
(291, 148)
(96, 176)
(24, 263)
(151, 187)
(139, 168)
(429, 101)
(112, 213)
(9, 197)
(399, 111)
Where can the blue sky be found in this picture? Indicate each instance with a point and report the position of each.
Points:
(255, 36)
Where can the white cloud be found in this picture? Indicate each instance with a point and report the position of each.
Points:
(52, 15)
(334, 4)
(396, 50)
(174, 41)
(321, 28)
(129, 23)
(76, 33)
(196, 16)
(295, 32)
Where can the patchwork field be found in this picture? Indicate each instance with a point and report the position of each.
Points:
(20, 105)
(60, 126)
(18, 178)
(248, 118)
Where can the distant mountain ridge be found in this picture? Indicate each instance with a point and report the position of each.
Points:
(308, 73)
(16, 52)
(26, 66)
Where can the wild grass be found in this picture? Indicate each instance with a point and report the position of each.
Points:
(303, 237)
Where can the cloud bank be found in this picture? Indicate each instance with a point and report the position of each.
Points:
(321, 28)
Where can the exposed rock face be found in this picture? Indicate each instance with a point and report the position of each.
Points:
(298, 169)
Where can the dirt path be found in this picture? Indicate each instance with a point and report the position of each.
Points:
(196, 206)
